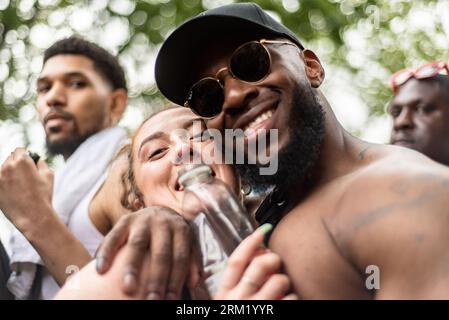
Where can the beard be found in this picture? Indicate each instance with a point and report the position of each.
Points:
(68, 145)
(64, 146)
(298, 157)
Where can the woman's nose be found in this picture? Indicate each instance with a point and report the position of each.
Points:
(185, 153)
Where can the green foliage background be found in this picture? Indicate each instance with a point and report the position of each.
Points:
(369, 39)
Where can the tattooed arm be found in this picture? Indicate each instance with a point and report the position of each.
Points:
(403, 231)
(390, 220)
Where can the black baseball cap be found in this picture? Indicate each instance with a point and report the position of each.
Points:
(174, 65)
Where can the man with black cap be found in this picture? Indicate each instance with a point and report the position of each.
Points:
(357, 220)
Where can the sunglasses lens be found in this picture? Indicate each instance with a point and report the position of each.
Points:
(403, 77)
(251, 62)
(427, 71)
(206, 98)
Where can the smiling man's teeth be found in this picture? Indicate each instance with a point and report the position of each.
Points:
(264, 116)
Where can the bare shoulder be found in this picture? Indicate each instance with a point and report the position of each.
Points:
(396, 215)
(396, 163)
(400, 176)
(106, 206)
(392, 213)
(400, 183)
(396, 179)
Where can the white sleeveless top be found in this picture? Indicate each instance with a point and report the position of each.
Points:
(84, 230)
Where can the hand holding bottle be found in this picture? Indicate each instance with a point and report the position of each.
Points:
(253, 272)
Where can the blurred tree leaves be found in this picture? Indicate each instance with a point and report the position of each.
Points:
(369, 38)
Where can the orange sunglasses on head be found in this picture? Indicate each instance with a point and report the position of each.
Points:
(428, 70)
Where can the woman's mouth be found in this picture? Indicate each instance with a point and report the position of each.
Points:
(180, 188)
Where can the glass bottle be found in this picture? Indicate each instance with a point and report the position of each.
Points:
(219, 221)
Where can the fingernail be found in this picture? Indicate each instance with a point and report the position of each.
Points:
(130, 281)
(265, 228)
(100, 263)
(153, 296)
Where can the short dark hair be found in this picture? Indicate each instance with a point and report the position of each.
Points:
(105, 63)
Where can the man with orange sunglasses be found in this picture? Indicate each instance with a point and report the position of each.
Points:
(420, 110)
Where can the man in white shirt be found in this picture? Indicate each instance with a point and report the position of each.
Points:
(81, 96)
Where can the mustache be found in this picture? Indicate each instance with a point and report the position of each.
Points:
(53, 114)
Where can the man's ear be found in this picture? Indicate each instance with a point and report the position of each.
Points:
(118, 105)
(314, 69)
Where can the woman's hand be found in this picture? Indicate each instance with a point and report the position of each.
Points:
(253, 272)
